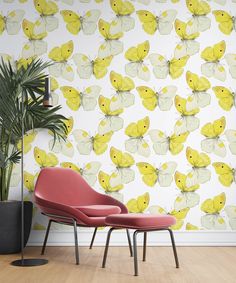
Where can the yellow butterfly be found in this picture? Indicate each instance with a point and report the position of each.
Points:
(111, 45)
(191, 227)
(162, 98)
(212, 143)
(151, 23)
(163, 67)
(199, 87)
(199, 163)
(187, 186)
(231, 138)
(199, 10)
(44, 159)
(29, 181)
(136, 141)
(212, 56)
(152, 175)
(188, 46)
(75, 98)
(123, 161)
(231, 213)
(231, 61)
(138, 205)
(47, 10)
(11, 23)
(227, 98)
(60, 55)
(86, 143)
(179, 215)
(111, 121)
(75, 23)
(226, 174)
(123, 22)
(110, 183)
(136, 66)
(227, 23)
(35, 32)
(123, 86)
(187, 122)
(86, 67)
(28, 139)
(212, 207)
(162, 143)
(89, 171)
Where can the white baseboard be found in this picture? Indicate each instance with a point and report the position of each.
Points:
(118, 238)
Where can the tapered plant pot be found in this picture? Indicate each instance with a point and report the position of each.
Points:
(10, 225)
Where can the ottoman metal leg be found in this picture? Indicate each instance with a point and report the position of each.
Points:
(144, 245)
(93, 237)
(174, 248)
(76, 242)
(107, 246)
(135, 253)
(46, 237)
(129, 241)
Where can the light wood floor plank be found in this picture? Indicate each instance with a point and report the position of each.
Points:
(197, 265)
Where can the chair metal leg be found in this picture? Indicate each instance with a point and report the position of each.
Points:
(76, 242)
(174, 248)
(94, 234)
(46, 236)
(129, 241)
(106, 248)
(144, 245)
(135, 253)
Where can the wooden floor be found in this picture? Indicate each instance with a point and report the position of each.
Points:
(197, 265)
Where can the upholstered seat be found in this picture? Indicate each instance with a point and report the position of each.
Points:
(98, 210)
(140, 221)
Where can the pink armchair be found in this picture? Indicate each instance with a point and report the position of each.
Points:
(65, 198)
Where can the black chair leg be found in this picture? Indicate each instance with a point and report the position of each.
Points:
(76, 243)
(46, 237)
(135, 253)
(144, 245)
(93, 237)
(174, 248)
(106, 248)
(129, 241)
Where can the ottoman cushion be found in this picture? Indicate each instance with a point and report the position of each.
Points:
(140, 221)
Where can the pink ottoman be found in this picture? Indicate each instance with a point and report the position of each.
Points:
(141, 223)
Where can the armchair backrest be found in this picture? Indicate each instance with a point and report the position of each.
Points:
(65, 186)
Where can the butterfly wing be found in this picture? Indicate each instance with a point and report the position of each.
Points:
(225, 96)
(231, 213)
(84, 142)
(148, 20)
(84, 65)
(165, 21)
(89, 21)
(231, 137)
(148, 172)
(160, 142)
(89, 97)
(224, 20)
(165, 173)
(165, 97)
(160, 66)
(185, 200)
(13, 21)
(225, 173)
(231, 61)
(89, 172)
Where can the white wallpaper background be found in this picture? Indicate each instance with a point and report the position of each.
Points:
(218, 211)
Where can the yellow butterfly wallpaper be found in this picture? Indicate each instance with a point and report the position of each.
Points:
(149, 91)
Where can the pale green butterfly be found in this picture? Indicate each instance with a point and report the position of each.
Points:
(231, 61)
(231, 213)
(231, 137)
(11, 22)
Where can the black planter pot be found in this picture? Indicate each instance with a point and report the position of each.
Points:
(10, 225)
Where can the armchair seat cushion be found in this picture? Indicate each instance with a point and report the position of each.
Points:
(140, 221)
(99, 210)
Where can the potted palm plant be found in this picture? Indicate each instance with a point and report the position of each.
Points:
(27, 82)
